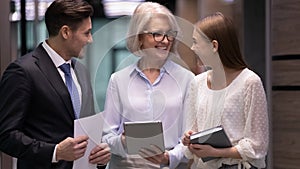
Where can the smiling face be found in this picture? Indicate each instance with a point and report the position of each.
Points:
(79, 38)
(157, 50)
(203, 47)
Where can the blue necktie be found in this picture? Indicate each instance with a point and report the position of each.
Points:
(72, 88)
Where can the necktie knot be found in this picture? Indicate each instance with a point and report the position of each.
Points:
(65, 68)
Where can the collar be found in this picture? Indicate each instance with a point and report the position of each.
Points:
(55, 57)
(166, 68)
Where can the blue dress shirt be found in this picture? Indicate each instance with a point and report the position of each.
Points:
(131, 97)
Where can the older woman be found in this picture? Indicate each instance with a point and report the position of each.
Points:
(153, 88)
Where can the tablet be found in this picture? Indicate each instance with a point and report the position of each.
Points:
(142, 135)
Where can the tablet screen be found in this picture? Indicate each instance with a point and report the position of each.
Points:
(142, 135)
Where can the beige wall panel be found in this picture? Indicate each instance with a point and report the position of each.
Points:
(286, 110)
(285, 38)
(285, 27)
(286, 120)
(286, 72)
(286, 149)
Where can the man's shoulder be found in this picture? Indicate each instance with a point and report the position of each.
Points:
(31, 56)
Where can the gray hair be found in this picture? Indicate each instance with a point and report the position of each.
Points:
(140, 19)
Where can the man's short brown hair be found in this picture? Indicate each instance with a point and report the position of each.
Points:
(66, 12)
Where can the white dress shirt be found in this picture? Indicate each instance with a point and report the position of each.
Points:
(58, 60)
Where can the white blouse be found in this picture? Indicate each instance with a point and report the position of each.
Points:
(131, 97)
(241, 108)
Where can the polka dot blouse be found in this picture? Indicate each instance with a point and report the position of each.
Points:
(241, 108)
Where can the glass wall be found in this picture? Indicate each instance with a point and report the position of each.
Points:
(106, 54)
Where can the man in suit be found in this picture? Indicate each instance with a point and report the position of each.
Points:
(36, 109)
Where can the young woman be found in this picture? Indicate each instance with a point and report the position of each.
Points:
(230, 95)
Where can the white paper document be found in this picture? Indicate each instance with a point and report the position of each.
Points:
(91, 126)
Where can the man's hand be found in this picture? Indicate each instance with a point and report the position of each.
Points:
(100, 154)
(155, 155)
(71, 149)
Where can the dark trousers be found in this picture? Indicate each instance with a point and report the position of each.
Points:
(101, 166)
(235, 166)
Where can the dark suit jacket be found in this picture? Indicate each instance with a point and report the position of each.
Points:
(36, 111)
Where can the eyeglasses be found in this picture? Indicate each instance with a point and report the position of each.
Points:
(160, 36)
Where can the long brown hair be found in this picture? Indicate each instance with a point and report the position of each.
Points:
(220, 28)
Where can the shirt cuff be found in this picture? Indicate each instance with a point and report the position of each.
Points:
(176, 157)
(120, 146)
(115, 144)
(187, 153)
(239, 149)
(54, 155)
